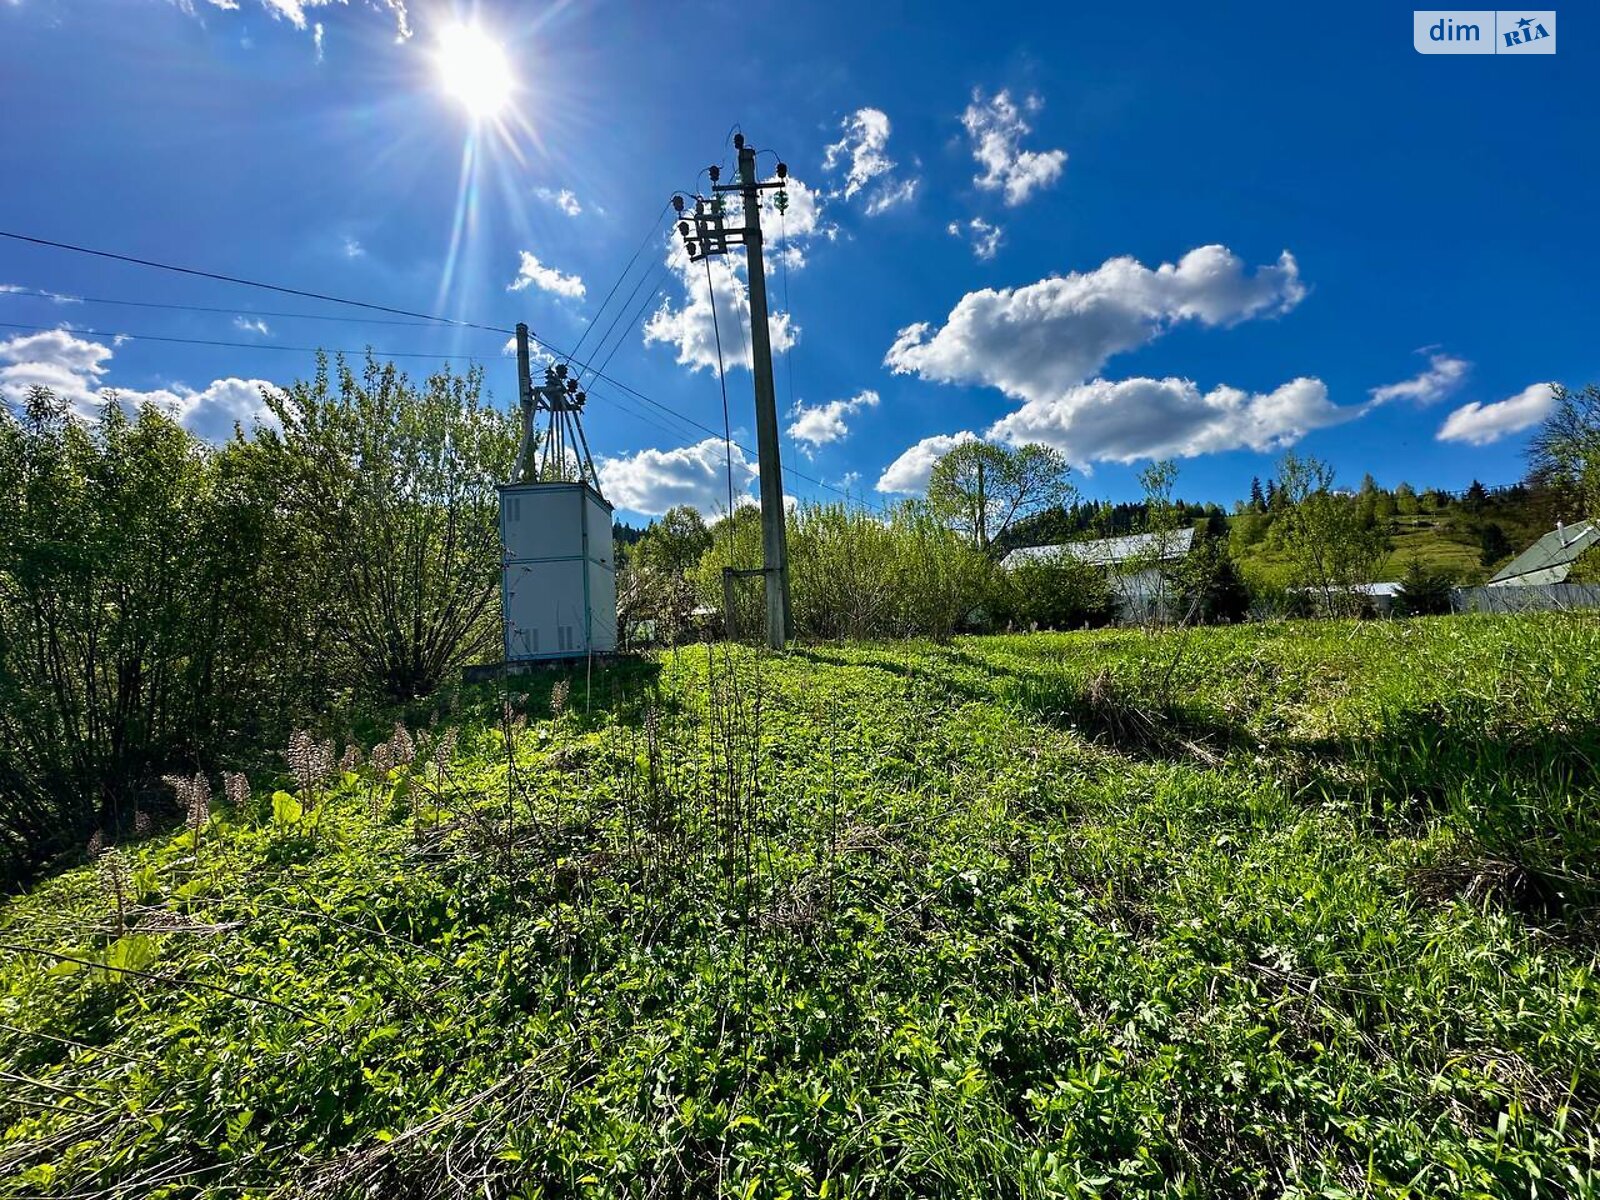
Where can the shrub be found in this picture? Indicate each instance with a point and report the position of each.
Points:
(1423, 592)
(1055, 593)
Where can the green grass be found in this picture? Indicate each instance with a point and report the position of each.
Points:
(1290, 910)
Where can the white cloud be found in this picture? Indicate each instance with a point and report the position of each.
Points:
(353, 248)
(57, 347)
(824, 423)
(653, 481)
(533, 273)
(870, 170)
(980, 234)
(294, 12)
(1032, 342)
(689, 328)
(316, 37)
(1444, 374)
(75, 370)
(1131, 419)
(213, 411)
(891, 195)
(996, 127)
(909, 473)
(256, 326)
(564, 199)
(1479, 424)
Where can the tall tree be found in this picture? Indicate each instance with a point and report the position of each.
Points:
(1322, 532)
(1258, 498)
(1493, 544)
(982, 488)
(675, 542)
(1566, 449)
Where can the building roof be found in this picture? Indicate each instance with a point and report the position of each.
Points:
(1556, 551)
(1109, 552)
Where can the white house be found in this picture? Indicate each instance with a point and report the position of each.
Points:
(1140, 589)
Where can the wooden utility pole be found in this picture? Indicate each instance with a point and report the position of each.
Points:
(708, 235)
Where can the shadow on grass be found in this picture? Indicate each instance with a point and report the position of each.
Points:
(1523, 800)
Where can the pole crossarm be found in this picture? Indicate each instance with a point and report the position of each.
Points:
(711, 235)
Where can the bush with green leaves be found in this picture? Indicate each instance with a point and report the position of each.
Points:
(137, 631)
(1058, 592)
(392, 486)
(853, 573)
(165, 601)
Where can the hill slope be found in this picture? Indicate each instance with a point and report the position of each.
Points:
(1256, 911)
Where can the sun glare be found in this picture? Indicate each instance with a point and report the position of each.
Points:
(473, 68)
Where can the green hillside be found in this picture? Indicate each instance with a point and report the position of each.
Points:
(1468, 540)
(1282, 910)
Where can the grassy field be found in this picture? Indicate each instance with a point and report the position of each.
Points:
(1434, 543)
(1291, 910)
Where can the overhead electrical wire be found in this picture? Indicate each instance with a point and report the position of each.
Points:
(66, 298)
(599, 312)
(722, 381)
(426, 318)
(270, 287)
(183, 341)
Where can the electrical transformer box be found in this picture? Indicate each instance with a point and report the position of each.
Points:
(559, 586)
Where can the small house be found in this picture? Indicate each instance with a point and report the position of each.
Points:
(1134, 564)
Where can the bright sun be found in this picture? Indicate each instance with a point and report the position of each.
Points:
(473, 68)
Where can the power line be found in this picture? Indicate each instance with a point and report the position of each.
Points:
(371, 307)
(150, 337)
(201, 308)
(255, 283)
(599, 312)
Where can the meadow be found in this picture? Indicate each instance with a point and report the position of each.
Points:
(1287, 910)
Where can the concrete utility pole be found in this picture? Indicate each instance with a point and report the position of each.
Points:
(525, 396)
(708, 235)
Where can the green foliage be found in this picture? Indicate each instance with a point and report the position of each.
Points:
(1053, 593)
(135, 620)
(1566, 449)
(1329, 549)
(1208, 583)
(653, 589)
(1423, 593)
(983, 488)
(1286, 910)
(1494, 546)
(853, 574)
(165, 602)
(393, 487)
(675, 543)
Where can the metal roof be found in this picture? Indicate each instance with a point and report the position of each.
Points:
(1108, 552)
(1556, 551)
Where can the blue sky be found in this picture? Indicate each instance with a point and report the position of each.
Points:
(1130, 231)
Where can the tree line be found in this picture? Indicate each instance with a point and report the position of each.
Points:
(166, 602)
